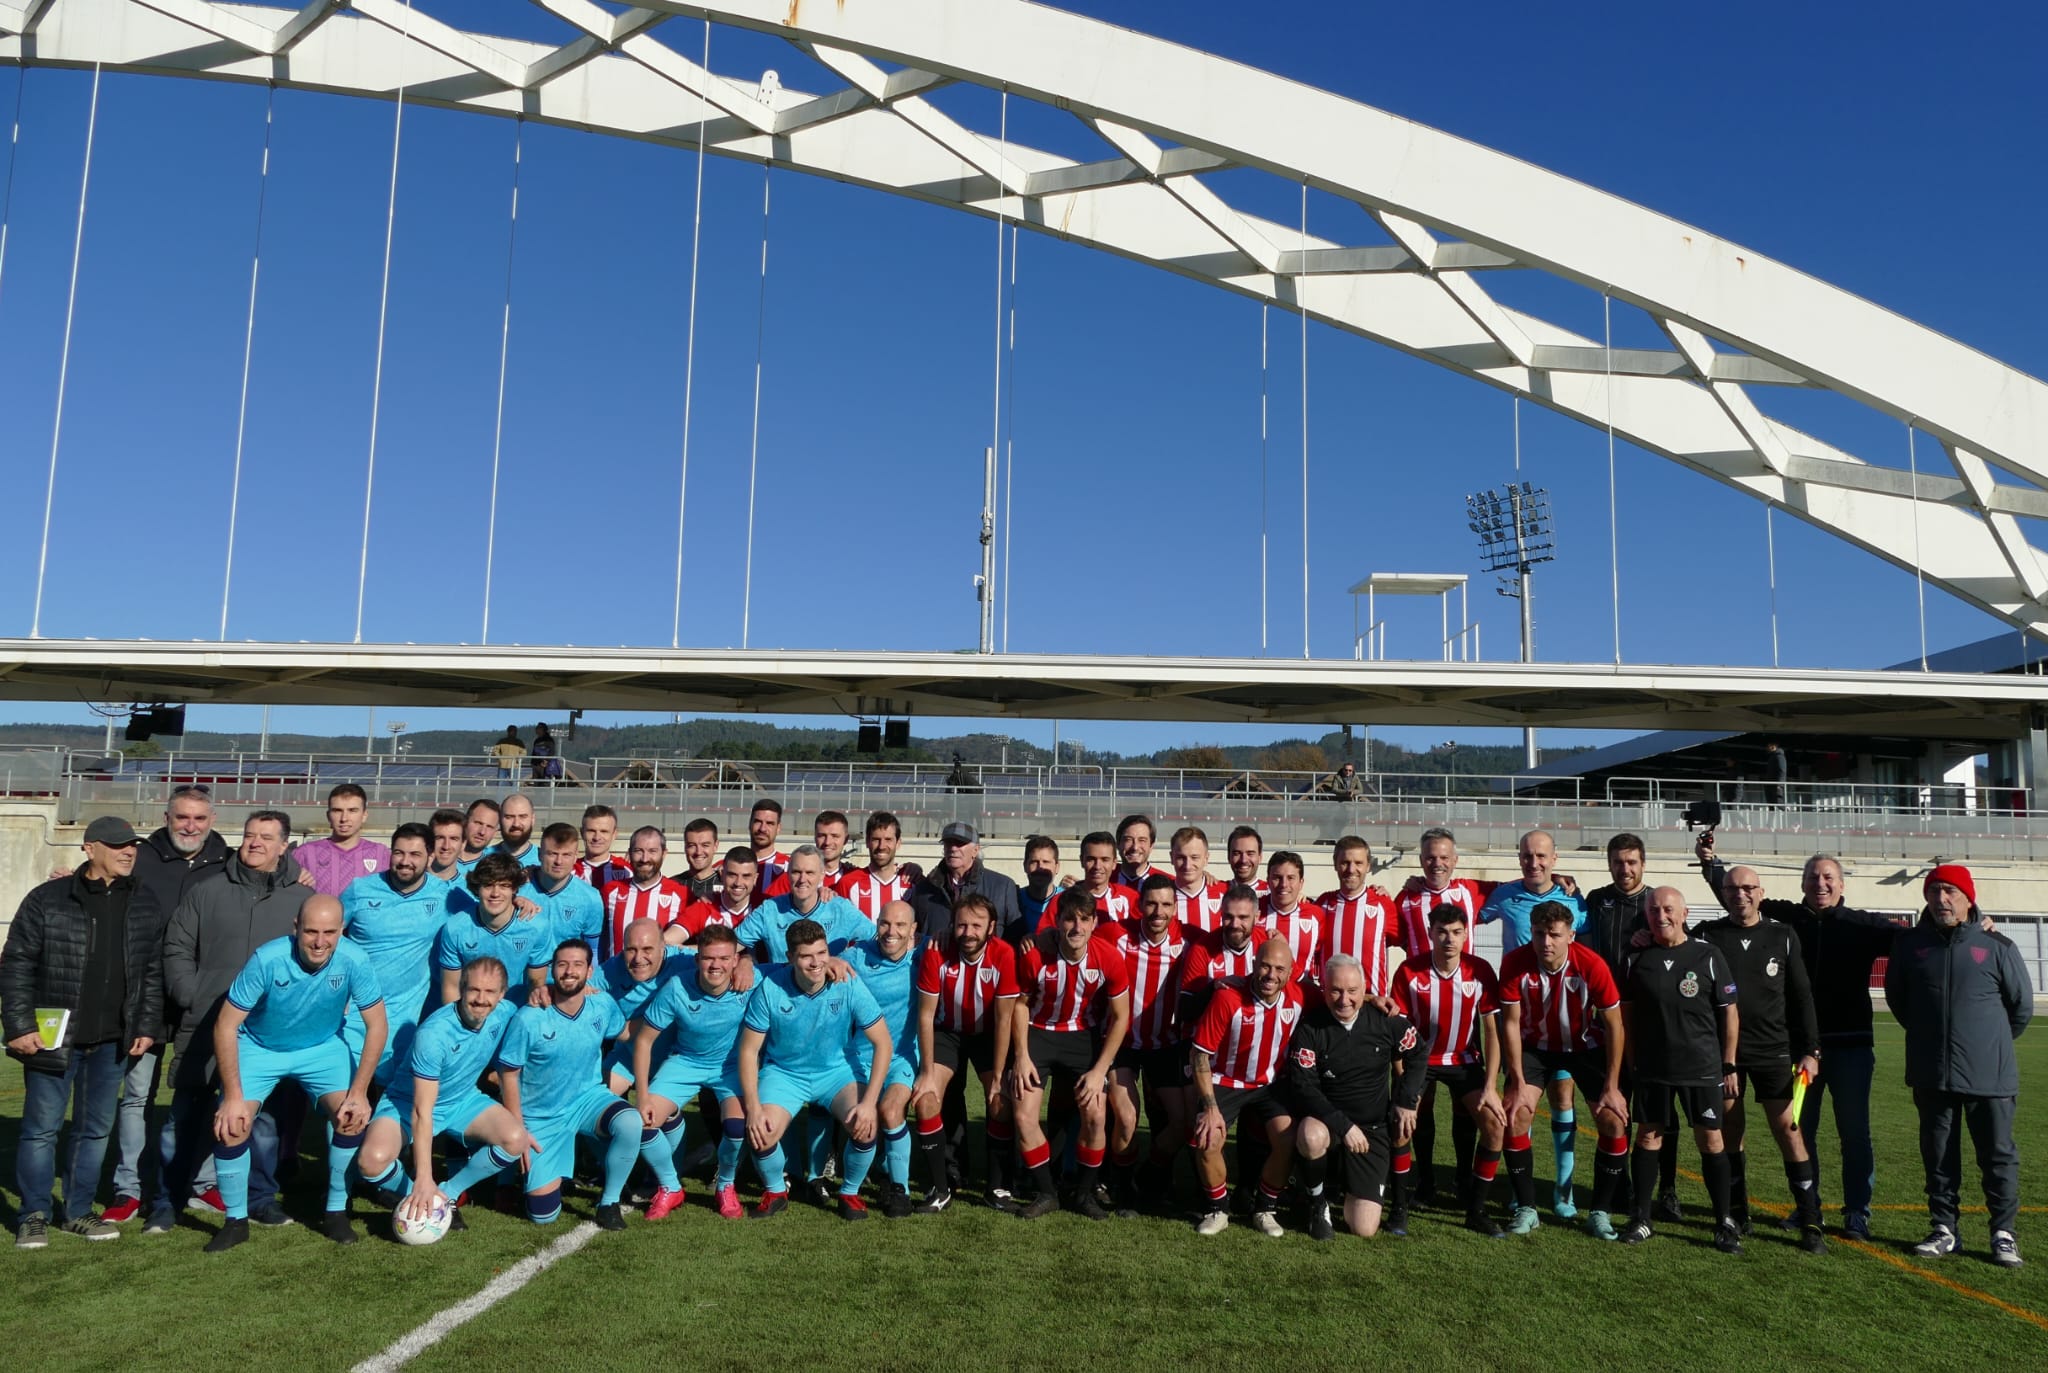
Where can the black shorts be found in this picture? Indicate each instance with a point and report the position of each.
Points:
(1770, 1081)
(1657, 1104)
(1067, 1052)
(1586, 1067)
(955, 1051)
(1255, 1103)
(1161, 1070)
(1460, 1080)
(1364, 1175)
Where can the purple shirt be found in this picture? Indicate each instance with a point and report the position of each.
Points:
(333, 868)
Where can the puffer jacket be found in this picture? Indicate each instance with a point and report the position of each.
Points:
(48, 947)
(1963, 996)
(212, 935)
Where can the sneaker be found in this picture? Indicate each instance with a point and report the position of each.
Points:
(1599, 1225)
(852, 1208)
(1090, 1205)
(34, 1232)
(1940, 1241)
(1481, 1224)
(1525, 1221)
(664, 1201)
(1856, 1227)
(1396, 1223)
(610, 1217)
(160, 1223)
(1044, 1204)
(230, 1234)
(209, 1201)
(729, 1203)
(1742, 1224)
(1635, 1232)
(1667, 1207)
(122, 1211)
(271, 1216)
(90, 1227)
(895, 1201)
(820, 1192)
(335, 1225)
(1562, 1205)
(1813, 1239)
(999, 1199)
(2005, 1250)
(1214, 1223)
(1268, 1224)
(1319, 1226)
(770, 1204)
(935, 1201)
(455, 1220)
(1727, 1239)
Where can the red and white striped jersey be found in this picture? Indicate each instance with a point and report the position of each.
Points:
(1210, 962)
(1200, 910)
(1414, 908)
(1257, 884)
(1154, 996)
(625, 902)
(1446, 1007)
(1244, 1036)
(1560, 1010)
(1362, 926)
(602, 875)
(967, 992)
(772, 878)
(1112, 908)
(1120, 878)
(1065, 994)
(1303, 930)
(869, 892)
(699, 914)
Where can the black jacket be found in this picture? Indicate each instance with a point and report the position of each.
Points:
(1610, 919)
(1963, 996)
(170, 874)
(48, 946)
(1339, 1076)
(932, 899)
(1840, 947)
(211, 935)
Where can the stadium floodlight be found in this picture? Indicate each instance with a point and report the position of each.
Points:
(1515, 533)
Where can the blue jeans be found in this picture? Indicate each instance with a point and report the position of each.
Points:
(1845, 1075)
(92, 1081)
(185, 1145)
(138, 1090)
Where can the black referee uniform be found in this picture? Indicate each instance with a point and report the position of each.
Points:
(1672, 1003)
(1341, 1077)
(1774, 1002)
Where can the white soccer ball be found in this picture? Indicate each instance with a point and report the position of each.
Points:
(426, 1230)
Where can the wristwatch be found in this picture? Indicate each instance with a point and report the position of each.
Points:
(1727, 1070)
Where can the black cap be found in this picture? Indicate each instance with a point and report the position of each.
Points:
(112, 831)
(959, 832)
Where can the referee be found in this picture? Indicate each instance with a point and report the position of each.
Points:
(1780, 1038)
(1678, 1005)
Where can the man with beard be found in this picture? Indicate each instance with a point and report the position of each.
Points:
(962, 985)
(394, 916)
(648, 896)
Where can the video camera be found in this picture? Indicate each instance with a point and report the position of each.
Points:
(1706, 814)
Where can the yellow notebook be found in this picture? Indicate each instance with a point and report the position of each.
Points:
(52, 1025)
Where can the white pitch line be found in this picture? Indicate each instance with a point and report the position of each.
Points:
(410, 1346)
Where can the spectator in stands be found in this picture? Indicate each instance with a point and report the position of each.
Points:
(547, 759)
(1964, 996)
(508, 752)
(959, 872)
(329, 865)
(1342, 785)
(254, 898)
(89, 944)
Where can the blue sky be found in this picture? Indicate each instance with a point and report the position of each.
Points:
(1885, 156)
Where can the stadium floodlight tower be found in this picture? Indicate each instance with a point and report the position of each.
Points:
(1515, 533)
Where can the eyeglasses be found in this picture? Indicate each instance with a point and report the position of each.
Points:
(192, 789)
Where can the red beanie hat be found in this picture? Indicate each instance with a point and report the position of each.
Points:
(1956, 875)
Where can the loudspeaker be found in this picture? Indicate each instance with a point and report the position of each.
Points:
(896, 734)
(869, 740)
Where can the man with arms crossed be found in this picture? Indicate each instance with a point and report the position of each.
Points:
(962, 983)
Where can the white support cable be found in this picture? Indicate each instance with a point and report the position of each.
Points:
(675, 630)
(227, 577)
(1002, 220)
(1771, 560)
(1919, 577)
(1301, 307)
(504, 361)
(754, 447)
(13, 156)
(1613, 525)
(1010, 441)
(383, 315)
(1518, 434)
(92, 119)
(1265, 386)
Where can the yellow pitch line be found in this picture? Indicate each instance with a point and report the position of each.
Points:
(2033, 1318)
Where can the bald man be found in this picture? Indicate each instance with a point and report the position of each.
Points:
(1682, 1028)
(1235, 1056)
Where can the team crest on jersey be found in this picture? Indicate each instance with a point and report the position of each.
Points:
(987, 974)
(1575, 984)
(1408, 1040)
(1468, 989)
(1689, 985)
(1771, 968)
(1091, 976)
(369, 865)
(334, 982)
(1305, 1056)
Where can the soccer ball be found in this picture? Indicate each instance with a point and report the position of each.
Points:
(424, 1231)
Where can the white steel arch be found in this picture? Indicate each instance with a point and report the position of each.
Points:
(1454, 210)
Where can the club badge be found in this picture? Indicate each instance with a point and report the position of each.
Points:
(1689, 985)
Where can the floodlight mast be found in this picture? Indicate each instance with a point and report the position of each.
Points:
(1514, 529)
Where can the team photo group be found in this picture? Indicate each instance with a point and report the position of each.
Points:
(485, 1011)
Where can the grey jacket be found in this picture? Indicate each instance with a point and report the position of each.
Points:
(932, 899)
(1963, 996)
(217, 927)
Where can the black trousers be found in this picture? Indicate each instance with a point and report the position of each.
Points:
(1943, 1116)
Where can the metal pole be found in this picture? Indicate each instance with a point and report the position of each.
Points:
(263, 747)
(1528, 619)
(987, 582)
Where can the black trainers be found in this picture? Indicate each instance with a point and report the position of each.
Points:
(455, 1220)
(270, 1216)
(1044, 1204)
(1089, 1205)
(895, 1201)
(1397, 1222)
(1479, 1223)
(935, 1201)
(1727, 1239)
(231, 1233)
(1635, 1232)
(1742, 1223)
(821, 1193)
(1813, 1239)
(1319, 1226)
(999, 1199)
(335, 1225)
(1667, 1207)
(610, 1217)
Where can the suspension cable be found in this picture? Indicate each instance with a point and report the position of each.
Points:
(1301, 306)
(675, 631)
(1265, 388)
(504, 359)
(227, 579)
(1010, 441)
(754, 447)
(13, 156)
(64, 358)
(1002, 220)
